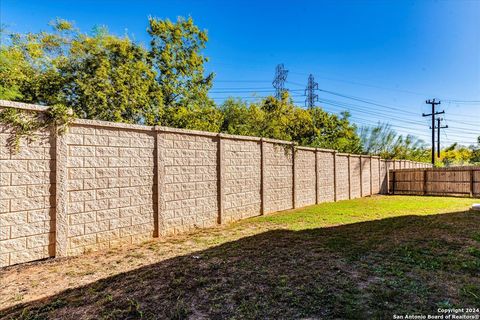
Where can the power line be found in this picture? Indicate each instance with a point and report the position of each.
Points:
(239, 81)
(368, 112)
(369, 122)
(458, 119)
(462, 101)
(343, 95)
(366, 85)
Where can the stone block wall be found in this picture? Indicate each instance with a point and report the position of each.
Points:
(278, 177)
(106, 184)
(325, 176)
(242, 165)
(375, 164)
(110, 187)
(27, 199)
(190, 173)
(355, 177)
(365, 164)
(305, 178)
(342, 177)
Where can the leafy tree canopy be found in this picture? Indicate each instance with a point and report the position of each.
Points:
(385, 142)
(281, 119)
(108, 77)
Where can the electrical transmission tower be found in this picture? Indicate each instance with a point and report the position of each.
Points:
(433, 103)
(311, 96)
(279, 80)
(438, 127)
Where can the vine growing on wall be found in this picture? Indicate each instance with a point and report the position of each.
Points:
(23, 123)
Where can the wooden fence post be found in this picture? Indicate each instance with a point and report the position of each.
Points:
(471, 183)
(393, 182)
(424, 181)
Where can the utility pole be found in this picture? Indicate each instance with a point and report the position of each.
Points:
(433, 103)
(312, 97)
(279, 80)
(438, 134)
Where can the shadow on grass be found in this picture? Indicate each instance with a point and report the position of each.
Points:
(364, 270)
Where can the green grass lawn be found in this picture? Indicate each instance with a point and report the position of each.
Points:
(356, 259)
(364, 209)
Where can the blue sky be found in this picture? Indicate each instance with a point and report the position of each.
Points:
(393, 53)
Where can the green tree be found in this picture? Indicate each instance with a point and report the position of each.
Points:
(195, 117)
(110, 78)
(281, 119)
(335, 132)
(100, 76)
(456, 155)
(241, 118)
(383, 141)
(14, 71)
(35, 56)
(176, 56)
(475, 158)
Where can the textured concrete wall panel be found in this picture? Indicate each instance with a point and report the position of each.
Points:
(110, 187)
(242, 185)
(375, 175)
(190, 182)
(305, 184)
(325, 176)
(365, 176)
(27, 198)
(355, 177)
(342, 177)
(278, 177)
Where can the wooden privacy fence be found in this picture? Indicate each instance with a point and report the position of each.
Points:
(456, 181)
